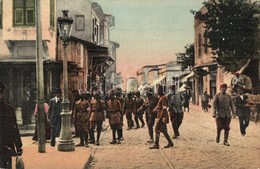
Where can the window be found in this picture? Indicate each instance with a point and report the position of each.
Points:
(24, 11)
(52, 14)
(95, 30)
(205, 45)
(1, 14)
(80, 23)
(199, 44)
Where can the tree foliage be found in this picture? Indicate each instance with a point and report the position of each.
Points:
(187, 58)
(231, 27)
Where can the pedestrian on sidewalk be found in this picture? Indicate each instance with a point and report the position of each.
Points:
(138, 115)
(46, 122)
(97, 117)
(54, 115)
(242, 110)
(81, 116)
(10, 139)
(148, 106)
(114, 109)
(187, 97)
(176, 101)
(128, 109)
(205, 101)
(162, 119)
(222, 107)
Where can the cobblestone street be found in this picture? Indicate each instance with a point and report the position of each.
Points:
(195, 148)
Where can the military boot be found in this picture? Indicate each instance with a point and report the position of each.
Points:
(92, 137)
(86, 140)
(98, 137)
(175, 131)
(226, 138)
(137, 123)
(114, 137)
(150, 130)
(170, 143)
(81, 143)
(218, 135)
(156, 143)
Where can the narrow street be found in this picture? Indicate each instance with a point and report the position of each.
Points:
(195, 148)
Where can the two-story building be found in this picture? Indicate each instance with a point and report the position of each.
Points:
(164, 74)
(207, 73)
(88, 50)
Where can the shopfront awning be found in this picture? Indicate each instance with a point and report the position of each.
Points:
(183, 88)
(158, 80)
(207, 64)
(187, 77)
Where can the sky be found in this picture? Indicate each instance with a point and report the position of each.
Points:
(150, 31)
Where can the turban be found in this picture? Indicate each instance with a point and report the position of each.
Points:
(223, 85)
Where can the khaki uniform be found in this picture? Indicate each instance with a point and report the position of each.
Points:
(162, 117)
(96, 118)
(81, 116)
(114, 114)
(148, 106)
(114, 111)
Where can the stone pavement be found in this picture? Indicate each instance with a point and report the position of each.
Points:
(196, 148)
(198, 127)
(53, 159)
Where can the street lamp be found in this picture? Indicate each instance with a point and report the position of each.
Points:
(66, 142)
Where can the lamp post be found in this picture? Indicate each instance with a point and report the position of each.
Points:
(66, 142)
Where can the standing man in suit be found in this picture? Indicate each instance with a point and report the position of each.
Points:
(242, 110)
(54, 115)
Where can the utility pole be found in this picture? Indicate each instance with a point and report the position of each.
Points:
(40, 80)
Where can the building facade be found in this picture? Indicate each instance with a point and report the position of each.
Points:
(88, 51)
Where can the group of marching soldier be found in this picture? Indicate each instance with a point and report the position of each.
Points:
(90, 111)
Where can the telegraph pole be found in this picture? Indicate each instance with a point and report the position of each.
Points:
(40, 80)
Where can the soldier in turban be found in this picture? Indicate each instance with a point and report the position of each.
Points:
(222, 107)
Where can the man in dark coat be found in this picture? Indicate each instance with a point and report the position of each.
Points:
(10, 139)
(148, 106)
(187, 97)
(242, 110)
(138, 115)
(54, 116)
(128, 109)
